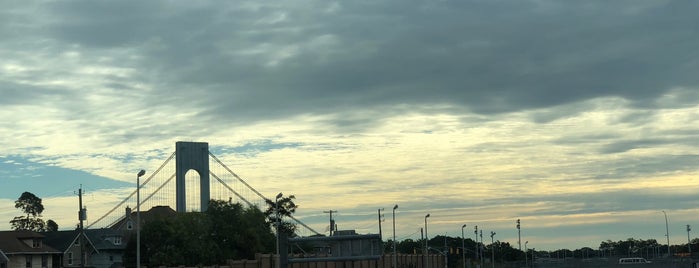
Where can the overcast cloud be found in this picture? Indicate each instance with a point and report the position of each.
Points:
(483, 111)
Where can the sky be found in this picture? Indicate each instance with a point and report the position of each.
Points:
(580, 118)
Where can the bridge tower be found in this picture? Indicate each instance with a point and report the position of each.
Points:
(192, 156)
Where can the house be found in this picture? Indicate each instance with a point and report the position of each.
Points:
(25, 249)
(3, 259)
(103, 248)
(128, 221)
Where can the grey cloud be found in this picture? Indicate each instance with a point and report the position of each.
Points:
(482, 56)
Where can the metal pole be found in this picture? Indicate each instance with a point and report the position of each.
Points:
(463, 248)
(519, 236)
(667, 234)
(526, 261)
(395, 261)
(689, 242)
(424, 255)
(427, 253)
(476, 232)
(492, 247)
(82, 229)
(276, 220)
(138, 217)
(379, 214)
(482, 246)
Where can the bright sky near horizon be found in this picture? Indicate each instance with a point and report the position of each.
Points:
(578, 117)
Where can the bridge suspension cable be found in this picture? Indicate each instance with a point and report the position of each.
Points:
(134, 192)
(252, 189)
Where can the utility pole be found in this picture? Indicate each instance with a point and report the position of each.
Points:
(689, 242)
(519, 236)
(482, 247)
(476, 232)
(380, 218)
(81, 217)
(667, 234)
(332, 222)
(492, 247)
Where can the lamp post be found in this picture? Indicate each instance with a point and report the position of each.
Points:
(492, 247)
(395, 262)
(138, 217)
(482, 245)
(427, 262)
(519, 236)
(667, 234)
(276, 211)
(526, 261)
(689, 242)
(475, 231)
(463, 248)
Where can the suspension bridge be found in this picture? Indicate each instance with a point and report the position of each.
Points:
(187, 180)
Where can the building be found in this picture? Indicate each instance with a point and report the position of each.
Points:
(104, 248)
(25, 249)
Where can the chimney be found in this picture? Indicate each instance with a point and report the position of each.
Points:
(128, 212)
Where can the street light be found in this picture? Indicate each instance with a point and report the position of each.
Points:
(427, 262)
(689, 242)
(667, 234)
(526, 261)
(492, 247)
(475, 231)
(276, 211)
(519, 236)
(463, 248)
(138, 217)
(394, 236)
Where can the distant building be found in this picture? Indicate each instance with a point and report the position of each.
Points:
(25, 249)
(3, 259)
(128, 222)
(103, 248)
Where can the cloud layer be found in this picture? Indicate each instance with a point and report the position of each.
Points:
(576, 113)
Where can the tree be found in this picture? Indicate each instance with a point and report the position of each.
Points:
(225, 231)
(30, 205)
(287, 207)
(51, 226)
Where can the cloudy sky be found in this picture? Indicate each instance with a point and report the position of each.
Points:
(578, 117)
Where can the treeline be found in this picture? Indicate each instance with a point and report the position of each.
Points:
(226, 231)
(506, 252)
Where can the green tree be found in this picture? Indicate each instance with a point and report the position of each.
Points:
(225, 231)
(286, 207)
(31, 205)
(51, 226)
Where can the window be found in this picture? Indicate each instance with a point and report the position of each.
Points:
(129, 225)
(36, 243)
(70, 258)
(44, 261)
(29, 261)
(111, 258)
(117, 240)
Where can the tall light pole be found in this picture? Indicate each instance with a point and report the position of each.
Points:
(380, 219)
(667, 234)
(427, 238)
(519, 236)
(475, 231)
(526, 261)
(276, 211)
(395, 262)
(138, 217)
(689, 242)
(463, 248)
(492, 247)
